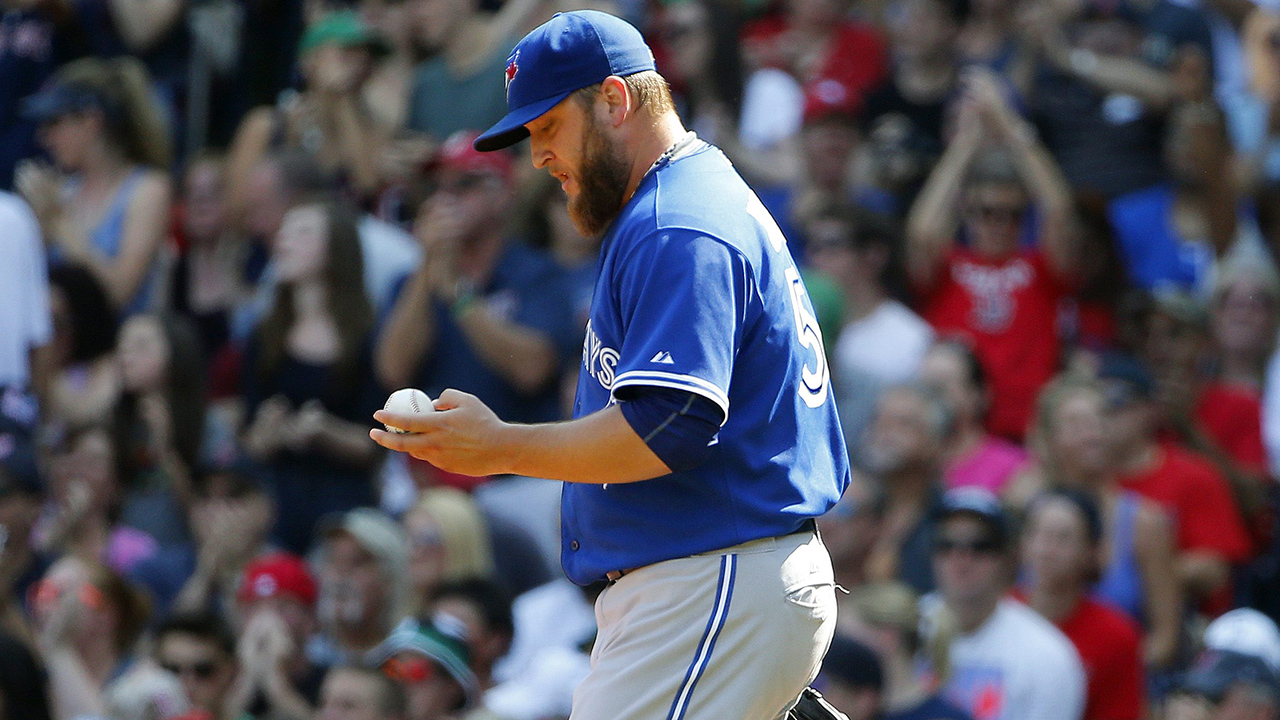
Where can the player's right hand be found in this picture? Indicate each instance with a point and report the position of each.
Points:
(463, 436)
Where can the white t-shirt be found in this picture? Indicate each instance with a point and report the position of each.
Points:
(1017, 666)
(24, 291)
(888, 344)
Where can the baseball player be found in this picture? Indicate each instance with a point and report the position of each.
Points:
(705, 436)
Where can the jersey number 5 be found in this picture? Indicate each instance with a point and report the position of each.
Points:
(813, 382)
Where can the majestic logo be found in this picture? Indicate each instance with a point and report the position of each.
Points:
(512, 69)
(662, 357)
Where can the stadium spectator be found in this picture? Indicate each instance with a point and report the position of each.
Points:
(158, 424)
(84, 518)
(887, 616)
(454, 88)
(431, 667)
(327, 120)
(24, 308)
(1006, 660)
(850, 530)
(973, 457)
(903, 117)
(480, 314)
(904, 455)
(1244, 320)
(1004, 298)
(230, 519)
(363, 585)
(84, 378)
(24, 67)
(448, 542)
(1060, 556)
(87, 619)
(482, 610)
(1219, 422)
(276, 608)
(852, 679)
(812, 51)
(357, 693)
(309, 387)
(200, 650)
(1138, 574)
(882, 342)
(1208, 531)
(206, 281)
(1225, 684)
(110, 212)
(21, 565)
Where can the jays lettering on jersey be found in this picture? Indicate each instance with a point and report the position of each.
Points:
(697, 291)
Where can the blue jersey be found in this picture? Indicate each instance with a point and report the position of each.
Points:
(698, 291)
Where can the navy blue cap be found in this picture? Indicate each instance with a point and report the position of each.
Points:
(60, 99)
(570, 51)
(1215, 671)
(1127, 369)
(977, 502)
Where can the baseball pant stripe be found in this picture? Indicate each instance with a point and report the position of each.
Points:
(720, 611)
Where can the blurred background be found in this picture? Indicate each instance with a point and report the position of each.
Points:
(1040, 237)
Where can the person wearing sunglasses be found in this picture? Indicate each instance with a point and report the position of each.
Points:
(1006, 660)
(199, 649)
(991, 289)
(431, 666)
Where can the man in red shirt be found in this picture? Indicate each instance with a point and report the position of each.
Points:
(1060, 553)
(1002, 297)
(1209, 532)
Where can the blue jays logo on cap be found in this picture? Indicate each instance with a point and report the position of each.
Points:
(570, 51)
(512, 69)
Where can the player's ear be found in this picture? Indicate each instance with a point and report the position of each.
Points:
(617, 98)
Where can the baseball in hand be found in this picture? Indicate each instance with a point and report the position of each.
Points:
(409, 401)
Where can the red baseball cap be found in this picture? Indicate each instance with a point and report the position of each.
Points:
(458, 153)
(279, 573)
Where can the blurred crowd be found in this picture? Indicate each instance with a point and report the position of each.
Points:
(1040, 237)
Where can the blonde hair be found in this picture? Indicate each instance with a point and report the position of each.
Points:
(133, 120)
(650, 90)
(463, 532)
(1050, 400)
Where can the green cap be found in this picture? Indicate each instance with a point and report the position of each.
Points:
(343, 28)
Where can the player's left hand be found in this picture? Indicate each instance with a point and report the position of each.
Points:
(462, 436)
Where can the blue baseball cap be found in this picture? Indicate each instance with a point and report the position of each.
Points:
(570, 51)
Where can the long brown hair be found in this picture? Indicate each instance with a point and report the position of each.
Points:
(184, 390)
(344, 289)
(132, 119)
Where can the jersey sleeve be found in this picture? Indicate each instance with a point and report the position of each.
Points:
(684, 300)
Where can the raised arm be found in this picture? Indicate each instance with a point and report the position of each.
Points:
(1059, 232)
(932, 221)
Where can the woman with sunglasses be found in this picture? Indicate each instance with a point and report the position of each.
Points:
(1000, 295)
(1137, 571)
(87, 621)
(1061, 558)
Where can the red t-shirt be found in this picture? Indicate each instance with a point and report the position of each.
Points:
(1233, 418)
(1109, 644)
(1198, 500)
(1009, 309)
(855, 62)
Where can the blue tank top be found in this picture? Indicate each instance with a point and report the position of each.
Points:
(1121, 582)
(109, 233)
